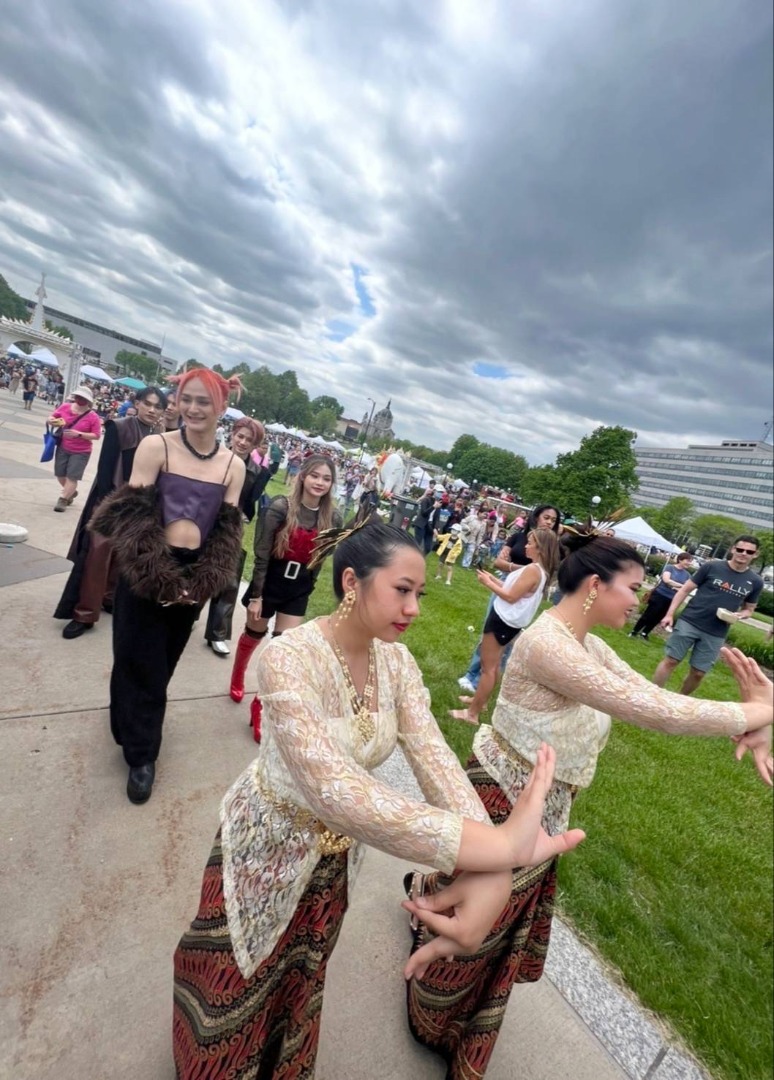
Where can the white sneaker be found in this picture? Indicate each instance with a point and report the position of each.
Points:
(220, 648)
(465, 684)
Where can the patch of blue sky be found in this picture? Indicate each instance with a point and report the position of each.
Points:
(338, 330)
(359, 273)
(491, 371)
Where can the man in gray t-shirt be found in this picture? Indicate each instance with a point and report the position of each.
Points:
(727, 584)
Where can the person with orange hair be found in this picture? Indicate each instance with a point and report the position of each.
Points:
(176, 531)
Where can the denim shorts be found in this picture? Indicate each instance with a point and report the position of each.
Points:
(686, 637)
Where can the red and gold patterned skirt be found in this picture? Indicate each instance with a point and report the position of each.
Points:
(266, 1027)
(457, 1009)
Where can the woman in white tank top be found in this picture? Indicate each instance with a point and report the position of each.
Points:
(517, 600)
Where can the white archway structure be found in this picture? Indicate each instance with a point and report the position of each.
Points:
(34, 332)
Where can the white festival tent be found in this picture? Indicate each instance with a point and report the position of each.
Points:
(639, 532)
(91, 371)
(14, 350)
(233, 414)
(44, 356)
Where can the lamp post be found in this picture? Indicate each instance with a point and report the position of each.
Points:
(367, 428)
(595, 501)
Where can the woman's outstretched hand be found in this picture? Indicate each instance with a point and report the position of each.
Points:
(753, 684)
(759, 744)
(529, 842)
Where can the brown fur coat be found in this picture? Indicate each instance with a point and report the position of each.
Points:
(131, 518)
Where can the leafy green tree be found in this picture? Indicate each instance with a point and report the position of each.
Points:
(132, 363)
(675, 518)
(61, 330)
(541, 483)
(462, 445)
(491, 465)
(262, 394)
(12, 305)
(717, 531)
(766, 550)
(323, 422)
(325, 401)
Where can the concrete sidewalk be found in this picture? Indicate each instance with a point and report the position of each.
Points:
(97, 891)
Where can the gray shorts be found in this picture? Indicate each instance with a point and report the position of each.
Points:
(70, 466)
(686, 637)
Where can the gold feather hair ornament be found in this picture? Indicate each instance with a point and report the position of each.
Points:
(602, 528)
(329, 539)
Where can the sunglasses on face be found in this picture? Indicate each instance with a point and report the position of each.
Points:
(745, 551)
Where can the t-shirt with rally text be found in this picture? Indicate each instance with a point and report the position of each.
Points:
(717, 585)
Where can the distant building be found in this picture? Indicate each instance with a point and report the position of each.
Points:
(101, 344)
(380, 426)
(734, 478)
(350, 429)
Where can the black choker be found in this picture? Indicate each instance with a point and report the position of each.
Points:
(201, 457)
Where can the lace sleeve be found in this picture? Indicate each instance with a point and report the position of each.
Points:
(334, 787)
(602, 680)
(442, 779)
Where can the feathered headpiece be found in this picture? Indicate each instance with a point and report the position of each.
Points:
(329, 539)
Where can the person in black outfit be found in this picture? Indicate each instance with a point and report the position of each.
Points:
(672, 578)
(423, 525)
(246, 434)
(90, 586)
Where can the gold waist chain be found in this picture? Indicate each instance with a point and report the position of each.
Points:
(330, 843)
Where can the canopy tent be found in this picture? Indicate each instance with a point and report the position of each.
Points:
(279, 428)
(91, 371)
(14, 350)
(420, 477)
(44, 356)
(638, 531)
(132, 384)
(334, 445)
(233, 414)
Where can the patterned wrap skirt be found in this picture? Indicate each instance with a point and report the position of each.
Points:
(266, 1027)
(457, 1009)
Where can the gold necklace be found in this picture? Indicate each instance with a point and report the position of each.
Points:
(361, 705)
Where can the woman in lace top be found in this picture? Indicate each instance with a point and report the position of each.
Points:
(339, 694)
(561, 686)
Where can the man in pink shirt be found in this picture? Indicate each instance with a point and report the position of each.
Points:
(80, 427)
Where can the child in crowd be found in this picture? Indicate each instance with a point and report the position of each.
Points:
(449, 550)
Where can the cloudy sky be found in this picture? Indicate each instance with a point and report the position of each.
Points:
(517, 219)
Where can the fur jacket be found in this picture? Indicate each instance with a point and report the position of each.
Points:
(131, 519)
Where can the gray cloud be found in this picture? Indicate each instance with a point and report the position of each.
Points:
(580, 195)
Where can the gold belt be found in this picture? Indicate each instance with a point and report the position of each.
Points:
(516, 758)
(330, 843)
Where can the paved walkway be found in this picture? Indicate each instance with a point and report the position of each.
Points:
(95, 891)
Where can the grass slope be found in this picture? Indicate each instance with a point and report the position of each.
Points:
(674, 883)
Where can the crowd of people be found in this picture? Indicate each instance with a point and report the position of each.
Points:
(160, 537)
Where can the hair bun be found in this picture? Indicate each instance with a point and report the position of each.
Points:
(575, 538)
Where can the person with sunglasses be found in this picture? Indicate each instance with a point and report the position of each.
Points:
(725, 591)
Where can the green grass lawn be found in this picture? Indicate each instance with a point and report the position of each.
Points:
(674, 884)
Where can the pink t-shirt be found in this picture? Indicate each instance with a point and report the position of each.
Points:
(73, 444)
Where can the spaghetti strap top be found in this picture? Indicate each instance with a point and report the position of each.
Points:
(186, 499)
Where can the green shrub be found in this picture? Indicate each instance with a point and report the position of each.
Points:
(656, 564)
(766, 603)
(759, 648)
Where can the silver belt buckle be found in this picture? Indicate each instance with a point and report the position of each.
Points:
(292, 570)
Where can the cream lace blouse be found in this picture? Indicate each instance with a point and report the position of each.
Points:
(313, 760)
(558, 691)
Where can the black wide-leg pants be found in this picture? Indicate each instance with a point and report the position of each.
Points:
(148, 641)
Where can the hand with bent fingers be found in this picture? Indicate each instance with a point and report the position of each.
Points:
(477, 899)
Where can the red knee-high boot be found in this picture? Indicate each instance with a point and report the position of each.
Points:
(246, 646)
(256, 709)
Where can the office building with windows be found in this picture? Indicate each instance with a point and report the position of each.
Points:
(100, 344)
(734, 478)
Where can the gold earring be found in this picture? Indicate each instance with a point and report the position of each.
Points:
(345, 607)
(589, 601)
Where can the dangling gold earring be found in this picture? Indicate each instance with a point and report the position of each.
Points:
(589, 601)
(345, 607)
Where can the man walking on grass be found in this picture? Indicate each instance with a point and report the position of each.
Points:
(722, 583)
